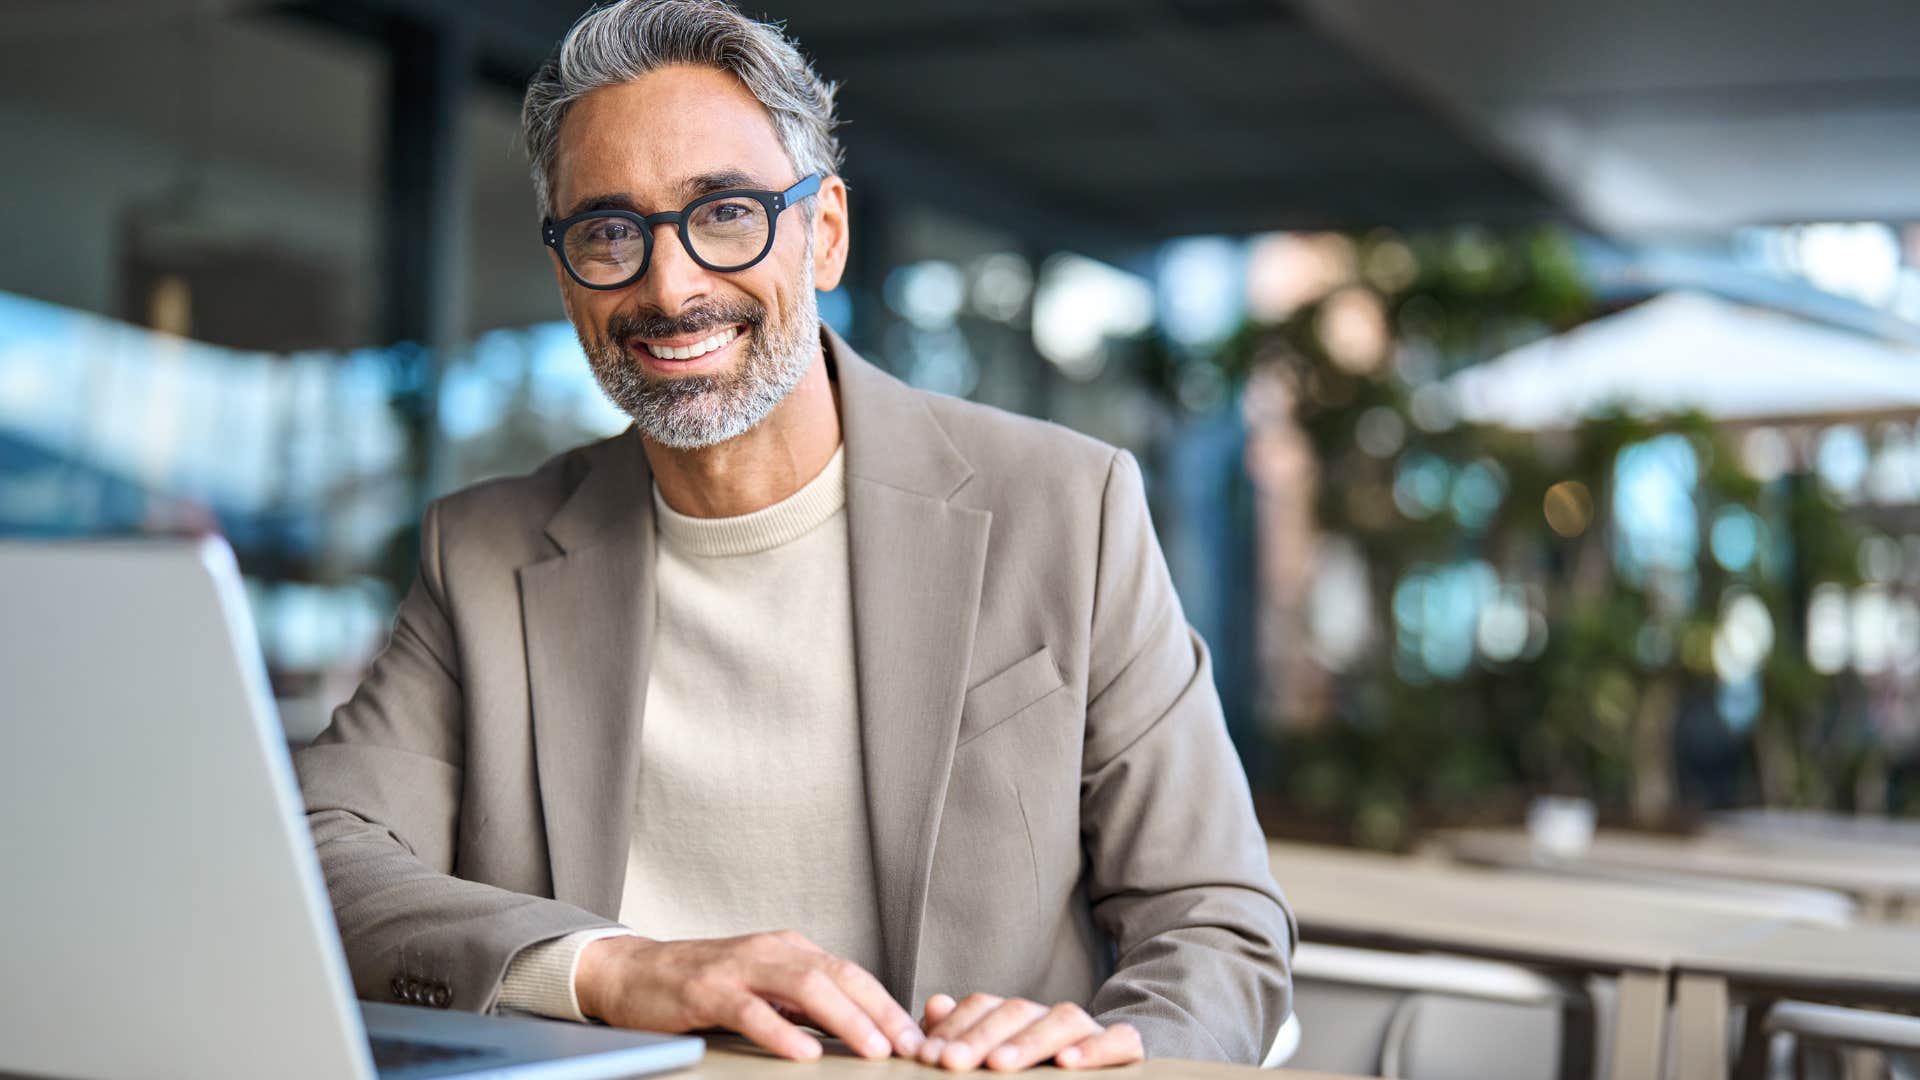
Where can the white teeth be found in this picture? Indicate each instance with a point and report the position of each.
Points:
(688, 352)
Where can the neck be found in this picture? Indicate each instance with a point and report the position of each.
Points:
(771, 461)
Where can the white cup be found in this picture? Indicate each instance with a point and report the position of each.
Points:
(1559, 826)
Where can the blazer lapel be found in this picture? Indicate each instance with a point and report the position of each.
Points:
(917, 564)
(588, 619)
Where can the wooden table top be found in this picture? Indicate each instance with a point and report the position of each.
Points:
(1881, 962)
(1866, 871)
(1353, 897)
(731, 1059)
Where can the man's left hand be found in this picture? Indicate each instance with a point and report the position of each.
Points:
(1007, 1034)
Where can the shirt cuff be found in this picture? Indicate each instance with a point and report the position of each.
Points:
(539, 978)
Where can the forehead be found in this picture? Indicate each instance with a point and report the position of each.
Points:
(645, 137)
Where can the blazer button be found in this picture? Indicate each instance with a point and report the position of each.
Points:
(399, 987)
(440, 997)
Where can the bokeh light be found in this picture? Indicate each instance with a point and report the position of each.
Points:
(1569, 508)
(1079, 304)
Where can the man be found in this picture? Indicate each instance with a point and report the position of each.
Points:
(810, 694)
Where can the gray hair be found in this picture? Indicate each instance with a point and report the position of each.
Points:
(622, 41)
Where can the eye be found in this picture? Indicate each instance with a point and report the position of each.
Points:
(728, 214)
(609, 230)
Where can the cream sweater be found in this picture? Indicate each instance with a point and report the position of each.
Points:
(751, 808)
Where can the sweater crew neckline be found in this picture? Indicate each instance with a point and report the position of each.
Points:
(762, 530)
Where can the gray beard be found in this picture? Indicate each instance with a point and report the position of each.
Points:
(697, 411)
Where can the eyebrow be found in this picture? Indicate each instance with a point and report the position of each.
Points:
(689, 189)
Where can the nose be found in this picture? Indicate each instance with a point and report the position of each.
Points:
(673, 280)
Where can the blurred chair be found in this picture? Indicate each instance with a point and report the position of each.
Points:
(1822, 1041)
(1425, 1016)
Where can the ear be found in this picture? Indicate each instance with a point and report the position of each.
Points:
(830, 234)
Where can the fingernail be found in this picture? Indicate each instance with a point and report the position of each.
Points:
(958, 1056)
(911, 1041)
(877, 1045)
(1068, 1056)
(1005, 1056)
(930, 1053)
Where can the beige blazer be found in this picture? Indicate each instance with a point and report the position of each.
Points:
(1056, 811)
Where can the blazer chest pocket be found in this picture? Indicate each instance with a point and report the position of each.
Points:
(1009, 693)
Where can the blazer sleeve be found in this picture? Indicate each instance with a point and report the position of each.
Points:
(1177, 865)
(383, 791)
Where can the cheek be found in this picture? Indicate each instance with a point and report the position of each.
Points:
(765, 286)
(588, 307)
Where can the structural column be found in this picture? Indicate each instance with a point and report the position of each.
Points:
(425, 207)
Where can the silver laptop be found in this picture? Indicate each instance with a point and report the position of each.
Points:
(162, 913)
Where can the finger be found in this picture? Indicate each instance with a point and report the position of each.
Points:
(967, 1049)
(811, 990)
(958, 1019)
(1061, 1027)
(1118, 1045)
(798, 940)
(939, 1007)
(757, 1020)
(866, 991)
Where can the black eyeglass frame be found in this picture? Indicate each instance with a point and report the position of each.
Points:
(553, 232)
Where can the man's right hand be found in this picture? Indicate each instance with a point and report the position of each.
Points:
(757, 985)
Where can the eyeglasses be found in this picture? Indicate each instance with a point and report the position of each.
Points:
(724, 232)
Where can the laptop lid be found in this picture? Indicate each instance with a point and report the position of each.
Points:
(164, 914)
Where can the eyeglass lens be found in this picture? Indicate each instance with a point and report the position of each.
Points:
(725, 234)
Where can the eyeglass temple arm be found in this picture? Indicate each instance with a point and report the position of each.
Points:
(801, 190)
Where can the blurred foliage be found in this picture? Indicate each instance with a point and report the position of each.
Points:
(1594, 705)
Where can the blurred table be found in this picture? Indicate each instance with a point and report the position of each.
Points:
(1576, 926)
(1817, 826)
(1861, 965)
(1882, 878)
(730, 1059)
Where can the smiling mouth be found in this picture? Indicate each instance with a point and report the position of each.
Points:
(700, 348)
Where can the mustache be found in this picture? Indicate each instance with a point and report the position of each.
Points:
(625, 326)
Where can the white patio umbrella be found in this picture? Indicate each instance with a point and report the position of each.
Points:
(1684, 350)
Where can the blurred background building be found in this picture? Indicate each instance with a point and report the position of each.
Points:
(1529, 391)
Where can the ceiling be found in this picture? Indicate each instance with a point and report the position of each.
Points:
(1656, 117)
(1097, 124)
